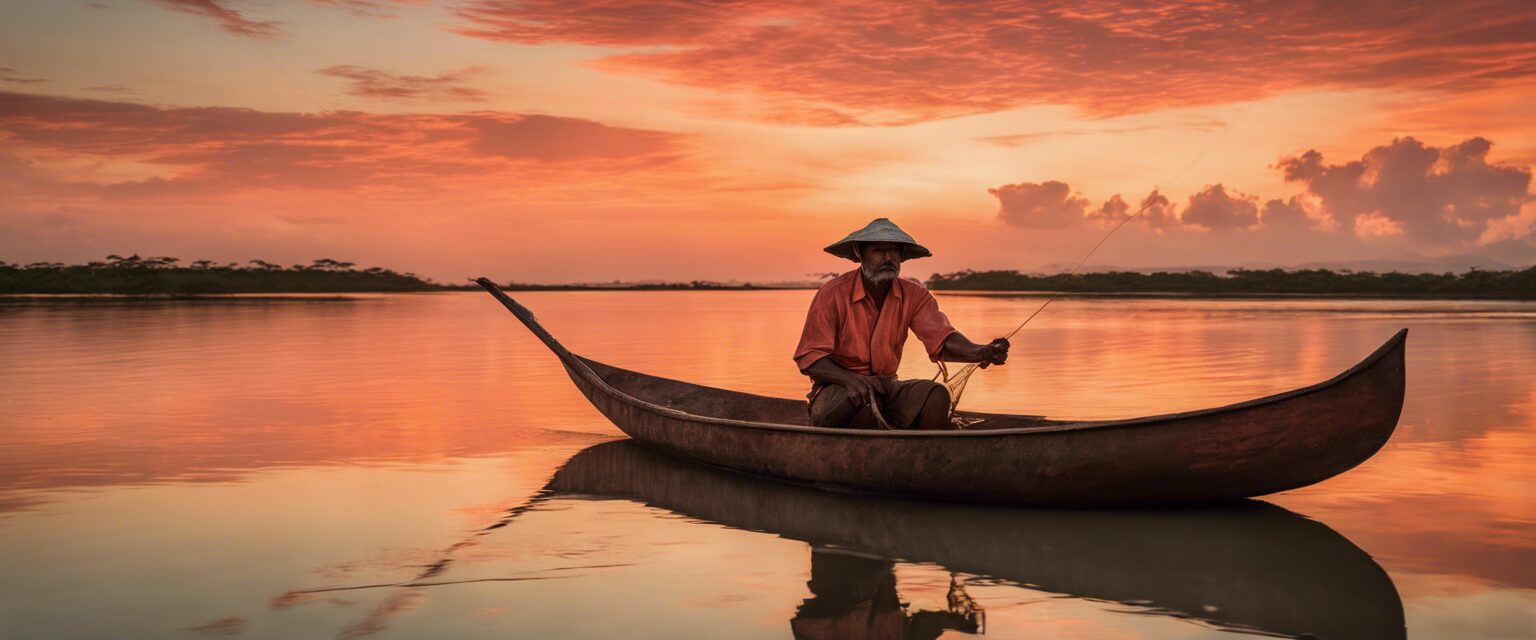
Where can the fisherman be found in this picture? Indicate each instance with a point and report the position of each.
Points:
(853, 595)
(856, 327)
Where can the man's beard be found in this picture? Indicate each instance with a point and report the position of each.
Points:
(880, 274)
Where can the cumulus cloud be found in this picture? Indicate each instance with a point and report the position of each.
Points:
(1374, 225)
(1214, 209)
(1285, 214)
(1404, 194)
(1047, 205)
(884, 62)
(1154, 211)
(1113, 210)
(1513, 227)
(453, 86)
(1432, 195)
(1160, 212)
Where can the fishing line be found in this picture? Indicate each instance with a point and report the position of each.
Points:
(956, 382)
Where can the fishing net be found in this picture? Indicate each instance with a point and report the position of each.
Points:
(954, 382)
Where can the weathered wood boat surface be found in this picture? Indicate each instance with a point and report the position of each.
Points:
(1244, 565)
(1248, 449)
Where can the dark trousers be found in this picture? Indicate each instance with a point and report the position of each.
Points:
(831, 406)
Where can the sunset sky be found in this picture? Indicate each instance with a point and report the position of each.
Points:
(579, 140)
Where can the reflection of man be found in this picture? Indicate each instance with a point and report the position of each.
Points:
(854, 596)
(855, 329)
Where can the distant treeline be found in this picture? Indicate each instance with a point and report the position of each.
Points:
(135, 275)
(1472, 284)
(696, 285)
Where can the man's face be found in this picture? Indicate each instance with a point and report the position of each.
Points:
(880, 261)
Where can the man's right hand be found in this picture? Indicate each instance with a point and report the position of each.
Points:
(861, 386)
(995, 352)
(858, 386)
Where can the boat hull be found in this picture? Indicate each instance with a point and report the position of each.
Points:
(1249, 449)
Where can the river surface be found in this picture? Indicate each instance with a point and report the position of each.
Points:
(386, 466)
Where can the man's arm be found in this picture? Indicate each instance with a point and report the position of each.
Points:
(945, 343)
(958, 348)
(859, 386)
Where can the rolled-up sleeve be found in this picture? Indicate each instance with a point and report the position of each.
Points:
(930, 325)
(819, 337)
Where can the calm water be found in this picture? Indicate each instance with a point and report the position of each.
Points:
(418, 466)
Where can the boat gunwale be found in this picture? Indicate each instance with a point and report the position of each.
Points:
(586, 372)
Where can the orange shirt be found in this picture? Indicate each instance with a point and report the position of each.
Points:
(844, 324)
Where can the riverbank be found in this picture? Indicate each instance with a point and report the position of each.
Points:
(166, 277)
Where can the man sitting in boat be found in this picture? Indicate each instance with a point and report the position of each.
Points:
(854, 332)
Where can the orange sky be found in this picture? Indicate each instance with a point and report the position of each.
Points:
(581, 140)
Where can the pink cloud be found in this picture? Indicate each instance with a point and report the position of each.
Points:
(226, 16)
(553, 139)
(1160, 212)
(366, 8)
(231, 19)
(879, 62)
(1431, 194)
(1214, 209)
(1112, 211)
(1155, 211)
(1286, 214)
(211, 149)
(1047, 205)
(453, 86)
(109, 88)
(222, 627)
(1432, 200)
(15, 76)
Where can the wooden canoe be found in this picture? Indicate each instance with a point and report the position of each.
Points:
(1243, 566)
(1252, 448)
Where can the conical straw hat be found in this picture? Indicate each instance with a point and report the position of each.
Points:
(879, 230)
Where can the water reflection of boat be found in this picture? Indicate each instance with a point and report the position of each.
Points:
(1246, 566)
(1248, 449)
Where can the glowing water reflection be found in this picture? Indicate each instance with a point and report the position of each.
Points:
(303, 467)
